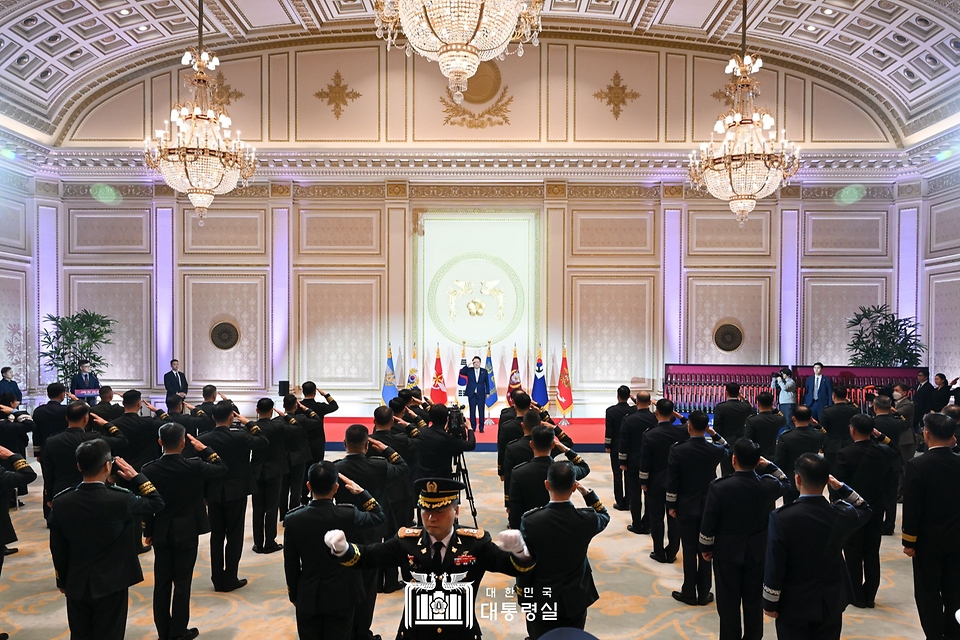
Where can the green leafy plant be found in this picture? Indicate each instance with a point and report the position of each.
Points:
(74, 338)
(881, 339)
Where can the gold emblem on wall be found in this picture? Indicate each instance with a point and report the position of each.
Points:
(338, 95)
(616, 95)
(221, 92)
(484, 86)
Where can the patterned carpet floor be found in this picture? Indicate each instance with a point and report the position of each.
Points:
(635, 591)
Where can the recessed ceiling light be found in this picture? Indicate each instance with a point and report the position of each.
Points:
(810, 27)
(828, 12)
(124, 12)
(142, 27)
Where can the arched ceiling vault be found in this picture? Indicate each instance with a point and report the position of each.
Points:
(902, 59)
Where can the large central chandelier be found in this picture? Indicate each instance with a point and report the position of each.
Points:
(459, 34)
(749, 163)
(196, 153)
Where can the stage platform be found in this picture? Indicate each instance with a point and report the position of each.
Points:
(587, 433)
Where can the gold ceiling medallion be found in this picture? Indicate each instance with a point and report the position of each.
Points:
(616, 95)
(337, 95)
(484, 84)
(221, 92)
(495, 115)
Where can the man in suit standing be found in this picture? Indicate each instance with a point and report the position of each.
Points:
(931, 528)
(805, 585)
(9, 385)
(558, 535)
(835, 420)
(867, 467)
(318, 438)
(49, 418)
(611, 442)
(631, 439)
(765, 426)
(691, 466)
(819, 391)
(922, 398)
(174, 381)
(175, 531)
(654, 455)
(477, 388)
(325, 592)
(795, 442)
(227, 496)
(527, 488)
(269, 466)
(94, 542)
(733, 534)
(86, 383)
(730, 419)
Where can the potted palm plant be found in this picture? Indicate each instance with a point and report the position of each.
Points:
(69, 339)
(882, 339)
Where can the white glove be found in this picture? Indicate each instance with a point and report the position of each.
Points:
(511, 541)
(336, 540)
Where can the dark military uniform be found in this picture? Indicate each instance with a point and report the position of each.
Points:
(14, 471)
(324, 592)
(734, 530)
(293, 485)
(438, 449)
(931, 525)
(835, 420)
(401, 493)
(48, 419)
(191, 424)
(763, 428)
(94, 540)
(59, 464)
(527, 490)
(791, 445)
(269, 466)
(611, 441)
(729, 420)
(631, 440)
(558, 535)
(107, 410)
(176, 533)
(691, 466)
(204, 412)
(654, 455)
(805, 579)
(318, 437)
(141, 434)
(892, 426)
(519, 451)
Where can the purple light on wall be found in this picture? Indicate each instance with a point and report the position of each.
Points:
(163, 295)
(280, 288)
(789, 286)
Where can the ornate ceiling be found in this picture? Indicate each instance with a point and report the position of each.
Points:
(902, 57)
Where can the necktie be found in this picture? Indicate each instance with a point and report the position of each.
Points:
(437, 559)
(816, 388)
(86, 380)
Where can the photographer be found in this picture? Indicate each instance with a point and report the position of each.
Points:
(784, 383)
(448, 436)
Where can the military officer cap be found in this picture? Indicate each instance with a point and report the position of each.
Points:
(437, 493)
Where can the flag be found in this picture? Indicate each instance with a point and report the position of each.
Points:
(438, 392)
(564, 392)
(389, 390)
(539, 392)
(462, 376)
(492, 393)
(413, 378)
(514, 377)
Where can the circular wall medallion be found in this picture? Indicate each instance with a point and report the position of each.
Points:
(224, 335)
(484, 84)
(728, 337)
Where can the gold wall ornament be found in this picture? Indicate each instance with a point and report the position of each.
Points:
(459, 288)
(616, 95)
(475, 307)
(488, 289)
(337, 95)
(493, 116)
(221, 92)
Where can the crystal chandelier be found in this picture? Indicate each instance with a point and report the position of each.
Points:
(196, 153)
(459, 34)
(749, 163)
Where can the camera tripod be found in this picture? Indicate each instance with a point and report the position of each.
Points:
(461, 473)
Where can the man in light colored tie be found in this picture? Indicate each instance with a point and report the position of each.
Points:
(819, 391)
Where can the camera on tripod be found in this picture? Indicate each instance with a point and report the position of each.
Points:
(456, 422)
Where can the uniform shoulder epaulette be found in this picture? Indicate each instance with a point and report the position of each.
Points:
(303, 506)
(409, 532)
(534, 509)
(517, 466)
(118, 488)
(67, 490)
(470, 532)
(514, 440)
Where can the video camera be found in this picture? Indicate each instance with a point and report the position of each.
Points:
(456, 422)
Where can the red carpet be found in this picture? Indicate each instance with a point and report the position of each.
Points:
(587, 433)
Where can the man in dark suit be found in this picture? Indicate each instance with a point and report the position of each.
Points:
(733, 534)
(558, 535)
(931, 528)
(764, 426)
(227, 496)
(14, 472)
(269, 465)
(9, 385)
(49, 418)
(867, 467)
(922, 398)
(730, 419)
(819, 391)
(94, 542)
(795, 442)
(86, 383)
(477, 383)
(691, 466)
(527, 488)
(439, 547)
(835, 420)
(805, 583)
(611, 443)
(293, 489)
(438, 448)
(654, 454)
(59, 463)
(892, 425)
(105, 408)
(318, 438)
(375, 473)
(175, 531)
(174, 381)
(631, 439)
(325, 592)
